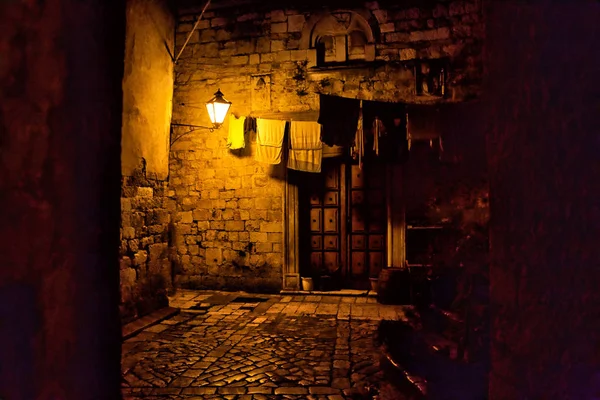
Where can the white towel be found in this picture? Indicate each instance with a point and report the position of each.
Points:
(306, 149)
(235, 138)
(269, 140)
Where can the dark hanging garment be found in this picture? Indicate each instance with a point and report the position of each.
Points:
(388, 122)
(339, 119)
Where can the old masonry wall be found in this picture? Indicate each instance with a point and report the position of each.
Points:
(228, 228)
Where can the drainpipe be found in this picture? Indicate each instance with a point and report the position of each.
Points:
(192, 31)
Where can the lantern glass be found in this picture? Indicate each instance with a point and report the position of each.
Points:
(217, 108)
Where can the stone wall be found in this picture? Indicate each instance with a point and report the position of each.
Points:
(146, 230)
(147, 106)
(229, 228)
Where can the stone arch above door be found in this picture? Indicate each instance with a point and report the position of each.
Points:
(339, 36)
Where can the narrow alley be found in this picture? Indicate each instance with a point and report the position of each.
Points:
(237, 345)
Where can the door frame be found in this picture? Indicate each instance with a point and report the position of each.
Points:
(395, 250)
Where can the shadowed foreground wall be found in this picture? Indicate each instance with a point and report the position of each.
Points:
(543, 143)
(60, 117)
(147, 105)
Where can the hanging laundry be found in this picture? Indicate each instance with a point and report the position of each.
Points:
(358, 149)
(387, 130)
(269, 140)
(377, 130)
(235, 137)
(423, 122)
(338, 117)
(306, 148)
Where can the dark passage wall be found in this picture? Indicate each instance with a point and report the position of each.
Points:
(60, 122)
(543, 144)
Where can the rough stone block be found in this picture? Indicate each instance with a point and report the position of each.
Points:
(185, 217)
(244, 236)
(219, 225)
(125, 204)
(239, 60)
(246, 204)
(296, 23)
(145, 192)
(228, 214)
(207, 35)
(128, 233)
(275, 237)
(248, 17)
(259, 237)
(258, 214)
(381, 16)
(412, 13)
(298, 55)
(218, 22)
(429, 35)
(214, 256)
(244, 46)
(396, 37)
(201, 215)
(128, 277)
(408, 54)
(140, 258)
(264, 247)
(279, 27)
(271, 227)
(457, 8)
(234, 225)
(262, 203)
(125, 262)
(263, 44)
(278, 16)
(222, 35)
(203, 226)
(277, 45)
(254, 59)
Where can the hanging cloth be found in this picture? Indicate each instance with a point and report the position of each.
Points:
(358, 150)
(338, 117)
(235, 137)
(378, 130)
(306, 148)
(269, 140)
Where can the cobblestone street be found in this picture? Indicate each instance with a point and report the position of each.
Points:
(242, 346)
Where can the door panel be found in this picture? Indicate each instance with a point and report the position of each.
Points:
(358, 242)
(376, 242)
(358, 263)
(331, 260)
(331, 243)
(332, 178)
(315, 220)
(316, 260)
(356, 177)
(331, 199)
(331, 222)
(376, 262)
(316, 243)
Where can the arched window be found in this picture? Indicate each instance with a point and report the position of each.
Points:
(342, 37)
(356, 45)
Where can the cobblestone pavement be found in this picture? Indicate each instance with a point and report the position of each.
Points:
(243, 346)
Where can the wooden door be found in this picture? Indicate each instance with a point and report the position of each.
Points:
(367, 223)
(323, 199)
(343, 223)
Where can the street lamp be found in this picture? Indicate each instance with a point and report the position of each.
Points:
(217, 108)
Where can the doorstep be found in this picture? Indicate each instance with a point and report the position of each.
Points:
(135, 327)
(343, 292)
